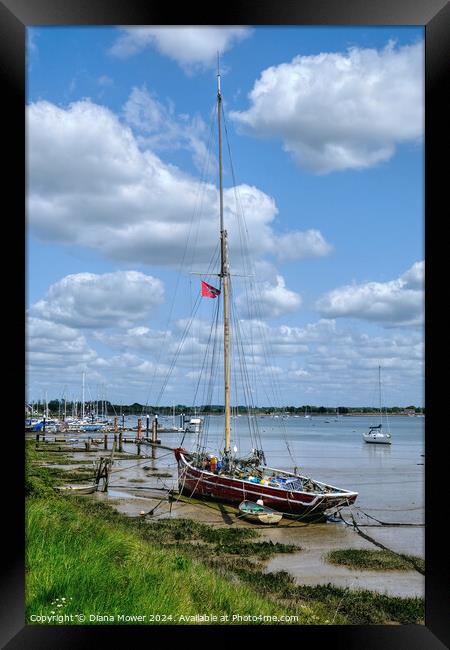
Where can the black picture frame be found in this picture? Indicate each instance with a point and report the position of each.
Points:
(434, 15)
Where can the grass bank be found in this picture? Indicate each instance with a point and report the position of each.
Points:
(102, 568)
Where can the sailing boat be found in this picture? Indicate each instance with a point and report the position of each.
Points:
(226, 477)
(375, 434)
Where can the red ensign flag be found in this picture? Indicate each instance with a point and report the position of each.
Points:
(209, 291)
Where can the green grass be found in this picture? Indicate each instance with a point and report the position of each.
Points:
(100, 565)
(375, 560)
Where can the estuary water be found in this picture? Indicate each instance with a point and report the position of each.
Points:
(389, 479)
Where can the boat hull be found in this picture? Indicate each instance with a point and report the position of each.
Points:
(376, 441)
(78, 489)
(199, 483)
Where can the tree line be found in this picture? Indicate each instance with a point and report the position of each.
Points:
(58, 407)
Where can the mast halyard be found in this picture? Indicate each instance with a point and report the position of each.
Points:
(224, 274)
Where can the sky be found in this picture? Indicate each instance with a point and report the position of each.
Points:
(325, 127)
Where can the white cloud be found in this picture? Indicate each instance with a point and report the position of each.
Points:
(51, 346)
(90, 184)
(90, 300)
(319, 363)
(299, 245)
(336, 111)
(395, 303)
(161, 129)
(270, 300)
(191, 47)
(414, 278)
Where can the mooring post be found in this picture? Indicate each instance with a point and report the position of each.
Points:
(87, 444)
(116, 428)
(123, 422)
(139, 448)
(106, 481)
(147, 425)
(37, 438)
(154, 431)
(139, 428)
(115, 441)
(105, 445)
(120, 441)
(99, 472)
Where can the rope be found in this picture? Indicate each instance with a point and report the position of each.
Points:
(379, 544)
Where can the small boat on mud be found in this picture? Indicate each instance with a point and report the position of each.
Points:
(77, 489)
(258, 513)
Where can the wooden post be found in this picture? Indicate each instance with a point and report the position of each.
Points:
(103, 469)
(99, 467)
(105, 445)
(116, 428)
(115, 440)
(106, 482)
(120, 441)
(148, 426)
(37, 438)
(154, 431)
(139, 448)
(139, 428)
(87, 444)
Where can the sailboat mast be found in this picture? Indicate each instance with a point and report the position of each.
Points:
(224, 274)
(82, 398)
(379, 390)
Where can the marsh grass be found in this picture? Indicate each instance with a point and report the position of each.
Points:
(363, 607)
(374, 560)
(336, 604)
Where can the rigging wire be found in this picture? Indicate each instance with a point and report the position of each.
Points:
(254, 307)
(200, 195)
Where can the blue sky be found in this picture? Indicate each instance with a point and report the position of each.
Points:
(325, 126)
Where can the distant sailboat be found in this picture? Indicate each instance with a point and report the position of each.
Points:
(375, 435)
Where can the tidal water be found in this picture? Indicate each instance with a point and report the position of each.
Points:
(389, 479)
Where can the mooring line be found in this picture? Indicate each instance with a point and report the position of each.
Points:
(408, 559)
(385, 523)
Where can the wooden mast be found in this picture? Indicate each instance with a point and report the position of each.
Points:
(224, 274)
